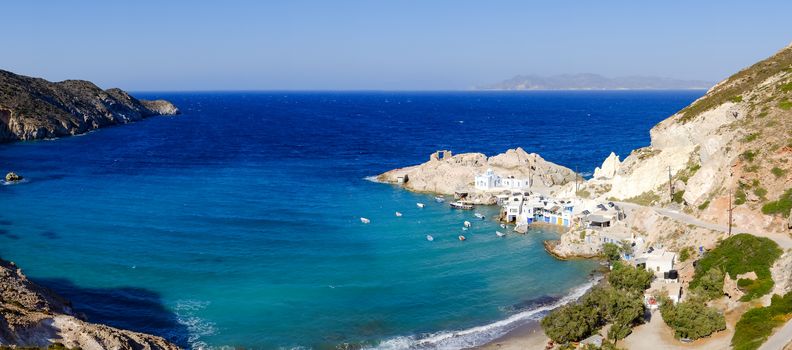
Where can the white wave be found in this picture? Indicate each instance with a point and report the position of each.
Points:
(9, 183)
(197, 327)
(477, 336)
(373, 179)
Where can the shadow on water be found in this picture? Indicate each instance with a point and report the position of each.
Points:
(49, 234)
(7, 234)
(130, 308)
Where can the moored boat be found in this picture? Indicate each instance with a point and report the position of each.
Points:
(460, 205)
(429, 238)
(398, 214)
(420, 205)
(500, 234)
(480, 216)
(365, 221)
(462, 238)
(439, 199)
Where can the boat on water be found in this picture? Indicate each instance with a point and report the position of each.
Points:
(480, 216)
(462, 238)
(439, 199)
(500, 234)
(503, 225)
(467, 223)
(398, 214)
(429, 238)
(420, 205)
(460, 205)
(364, 220)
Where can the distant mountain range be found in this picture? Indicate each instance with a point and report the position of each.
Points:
(589, 81)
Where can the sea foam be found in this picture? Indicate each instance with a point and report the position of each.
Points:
(480, 335)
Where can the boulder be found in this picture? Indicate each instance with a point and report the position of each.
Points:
(13, 177)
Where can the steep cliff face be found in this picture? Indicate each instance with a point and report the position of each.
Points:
(33, 316)
(736, 139)
(33, 108)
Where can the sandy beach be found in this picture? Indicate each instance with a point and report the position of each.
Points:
(526, 337)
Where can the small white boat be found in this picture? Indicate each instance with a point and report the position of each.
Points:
(398, 214)
(460, 205)
(467, 223)
(503, 225)
(364, 220)
(480, 216)
(439, 199)
(462, 238)
(429, 238)
(500, 234)
(420, 205)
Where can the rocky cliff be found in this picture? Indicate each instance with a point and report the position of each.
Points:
(33, 108)
(736, 139)
(33, 316)
(445, 173)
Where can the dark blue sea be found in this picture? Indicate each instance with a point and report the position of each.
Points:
(236, 224)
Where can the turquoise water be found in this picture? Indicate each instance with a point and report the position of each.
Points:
(237, 223)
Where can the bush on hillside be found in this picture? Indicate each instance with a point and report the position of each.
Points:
(756, 325)
(738, 254)
(611, 252)
(781, 206)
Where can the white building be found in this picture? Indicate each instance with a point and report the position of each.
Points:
(490, 181)
(660, 261)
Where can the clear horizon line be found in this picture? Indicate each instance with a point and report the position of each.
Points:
(408, 90)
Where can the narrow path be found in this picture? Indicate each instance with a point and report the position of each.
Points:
(784, 241)
(779, 339)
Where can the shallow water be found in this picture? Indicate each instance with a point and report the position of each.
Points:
(237, 223)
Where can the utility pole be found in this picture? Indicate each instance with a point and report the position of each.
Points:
(670, 186)
(576, 181)
(730, 212)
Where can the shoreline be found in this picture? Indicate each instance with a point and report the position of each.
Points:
(527, 336)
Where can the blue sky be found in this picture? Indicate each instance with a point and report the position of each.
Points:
(377, 44)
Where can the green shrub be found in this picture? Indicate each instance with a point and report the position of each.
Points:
(736, 255)
(679, 197)
(785, 104)
(756, 325)
(778, 172)
(704, 205)
(583, 194)
(692, 319)
(740, 197)
(751, 137)
(781, 206)
(647, 198)
(748, 155)
(611, 252)
(760, 192)
(710, 284)
(600, 306)
(629, 278)
(786, 87)
(684, 254)
(737, 99)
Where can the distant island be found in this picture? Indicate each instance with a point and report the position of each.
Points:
(588, 81)
(33, 108)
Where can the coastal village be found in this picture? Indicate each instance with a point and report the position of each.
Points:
(695, 229)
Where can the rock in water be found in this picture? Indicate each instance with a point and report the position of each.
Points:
(13, 177)
(33, 108)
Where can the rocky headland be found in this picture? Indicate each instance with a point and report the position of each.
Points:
(33, 316)
(447, 174)
(34, 108)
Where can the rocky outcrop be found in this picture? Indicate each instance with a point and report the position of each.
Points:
(445, 173)
(734, 139)
(33, 108)
(609, 167)
(33, 316)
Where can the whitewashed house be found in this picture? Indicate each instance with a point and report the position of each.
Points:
(660, 261)
(488, 180)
